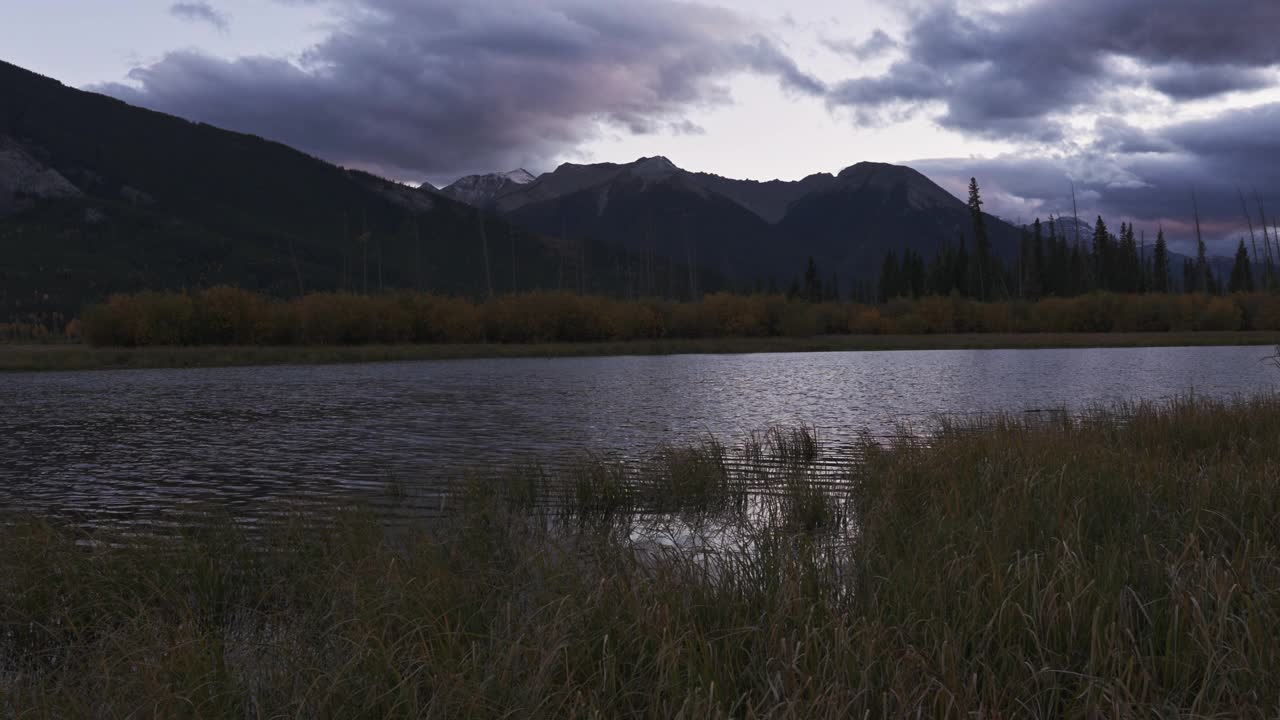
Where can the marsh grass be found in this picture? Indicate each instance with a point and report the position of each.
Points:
(1120, 563)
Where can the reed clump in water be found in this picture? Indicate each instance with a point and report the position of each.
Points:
(1120, 563)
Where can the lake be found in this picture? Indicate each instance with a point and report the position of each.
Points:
(107, 446)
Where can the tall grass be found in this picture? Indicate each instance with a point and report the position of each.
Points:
(228, 316)
(1124, 563)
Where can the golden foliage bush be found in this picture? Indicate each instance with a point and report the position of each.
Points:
(21, 331)
(231, 316)
(1220, 314)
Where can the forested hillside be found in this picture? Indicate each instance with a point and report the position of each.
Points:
(157, 202)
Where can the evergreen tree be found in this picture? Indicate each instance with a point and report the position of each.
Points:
(812, 282)
(913, 273)
(1078, 271)
(982, 245)
(1144, 268)
(1241, 271)
(833, 289)
(940, 278)
(1023, 267)
(1129, 267)
(1160, 264)
(1037, 259)
(1101, 256)
(890, 278)
(1056, 277)
(1189, 276)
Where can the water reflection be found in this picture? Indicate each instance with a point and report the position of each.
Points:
(123, 444)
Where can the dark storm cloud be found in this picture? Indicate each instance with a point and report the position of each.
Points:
(1002, 74)
(1143, 176)
(1182, 81)
(1117, 136)
(200, 12)
(439, 89)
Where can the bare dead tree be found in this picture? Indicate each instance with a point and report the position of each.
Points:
(1270, 269)
(512, 236)
(297, 271)
(1204, 271)
(1075, 213)
(364, 247)
(1253, 239)
(417, 253)
(484, 247)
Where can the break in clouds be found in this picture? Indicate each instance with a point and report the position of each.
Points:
(439, 89)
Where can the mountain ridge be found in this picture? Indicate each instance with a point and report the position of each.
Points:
(98, 196)
(750, 230)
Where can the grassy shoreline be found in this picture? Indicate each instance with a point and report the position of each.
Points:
(1124, 564)
(72, 356)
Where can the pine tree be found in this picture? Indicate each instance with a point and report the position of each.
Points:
(1241, 272)
(982, 245)
(941, 276)
(890, 278)
(1102, 272)
(1078, 271)
(812, 282)
(1144, 269)
(1129, 268)
(1160, 264)
(1037, 259)
(1055, 277)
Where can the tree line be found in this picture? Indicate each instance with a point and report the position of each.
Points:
(1054, 260)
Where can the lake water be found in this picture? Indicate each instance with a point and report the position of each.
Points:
(116, 445)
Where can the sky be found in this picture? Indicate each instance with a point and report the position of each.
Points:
(1138, 105)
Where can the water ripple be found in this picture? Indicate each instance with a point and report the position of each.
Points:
(116, 445)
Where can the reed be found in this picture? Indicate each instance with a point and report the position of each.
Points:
(1124, 562)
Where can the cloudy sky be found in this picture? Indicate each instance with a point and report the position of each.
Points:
(1137, 103)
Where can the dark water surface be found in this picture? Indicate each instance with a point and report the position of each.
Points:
(123, 444)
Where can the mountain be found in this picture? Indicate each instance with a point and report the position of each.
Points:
(873, 208)
(750, 231)
(97, 196)
(650, 207)
(771, 199)
(482, 190)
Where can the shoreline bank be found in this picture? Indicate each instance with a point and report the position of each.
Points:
(65, 356)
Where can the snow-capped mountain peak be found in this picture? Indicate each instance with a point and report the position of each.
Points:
(483, 190)
(653, 167)
(519, 176)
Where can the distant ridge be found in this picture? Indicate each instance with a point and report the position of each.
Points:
(482, 190)
(749, 231)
